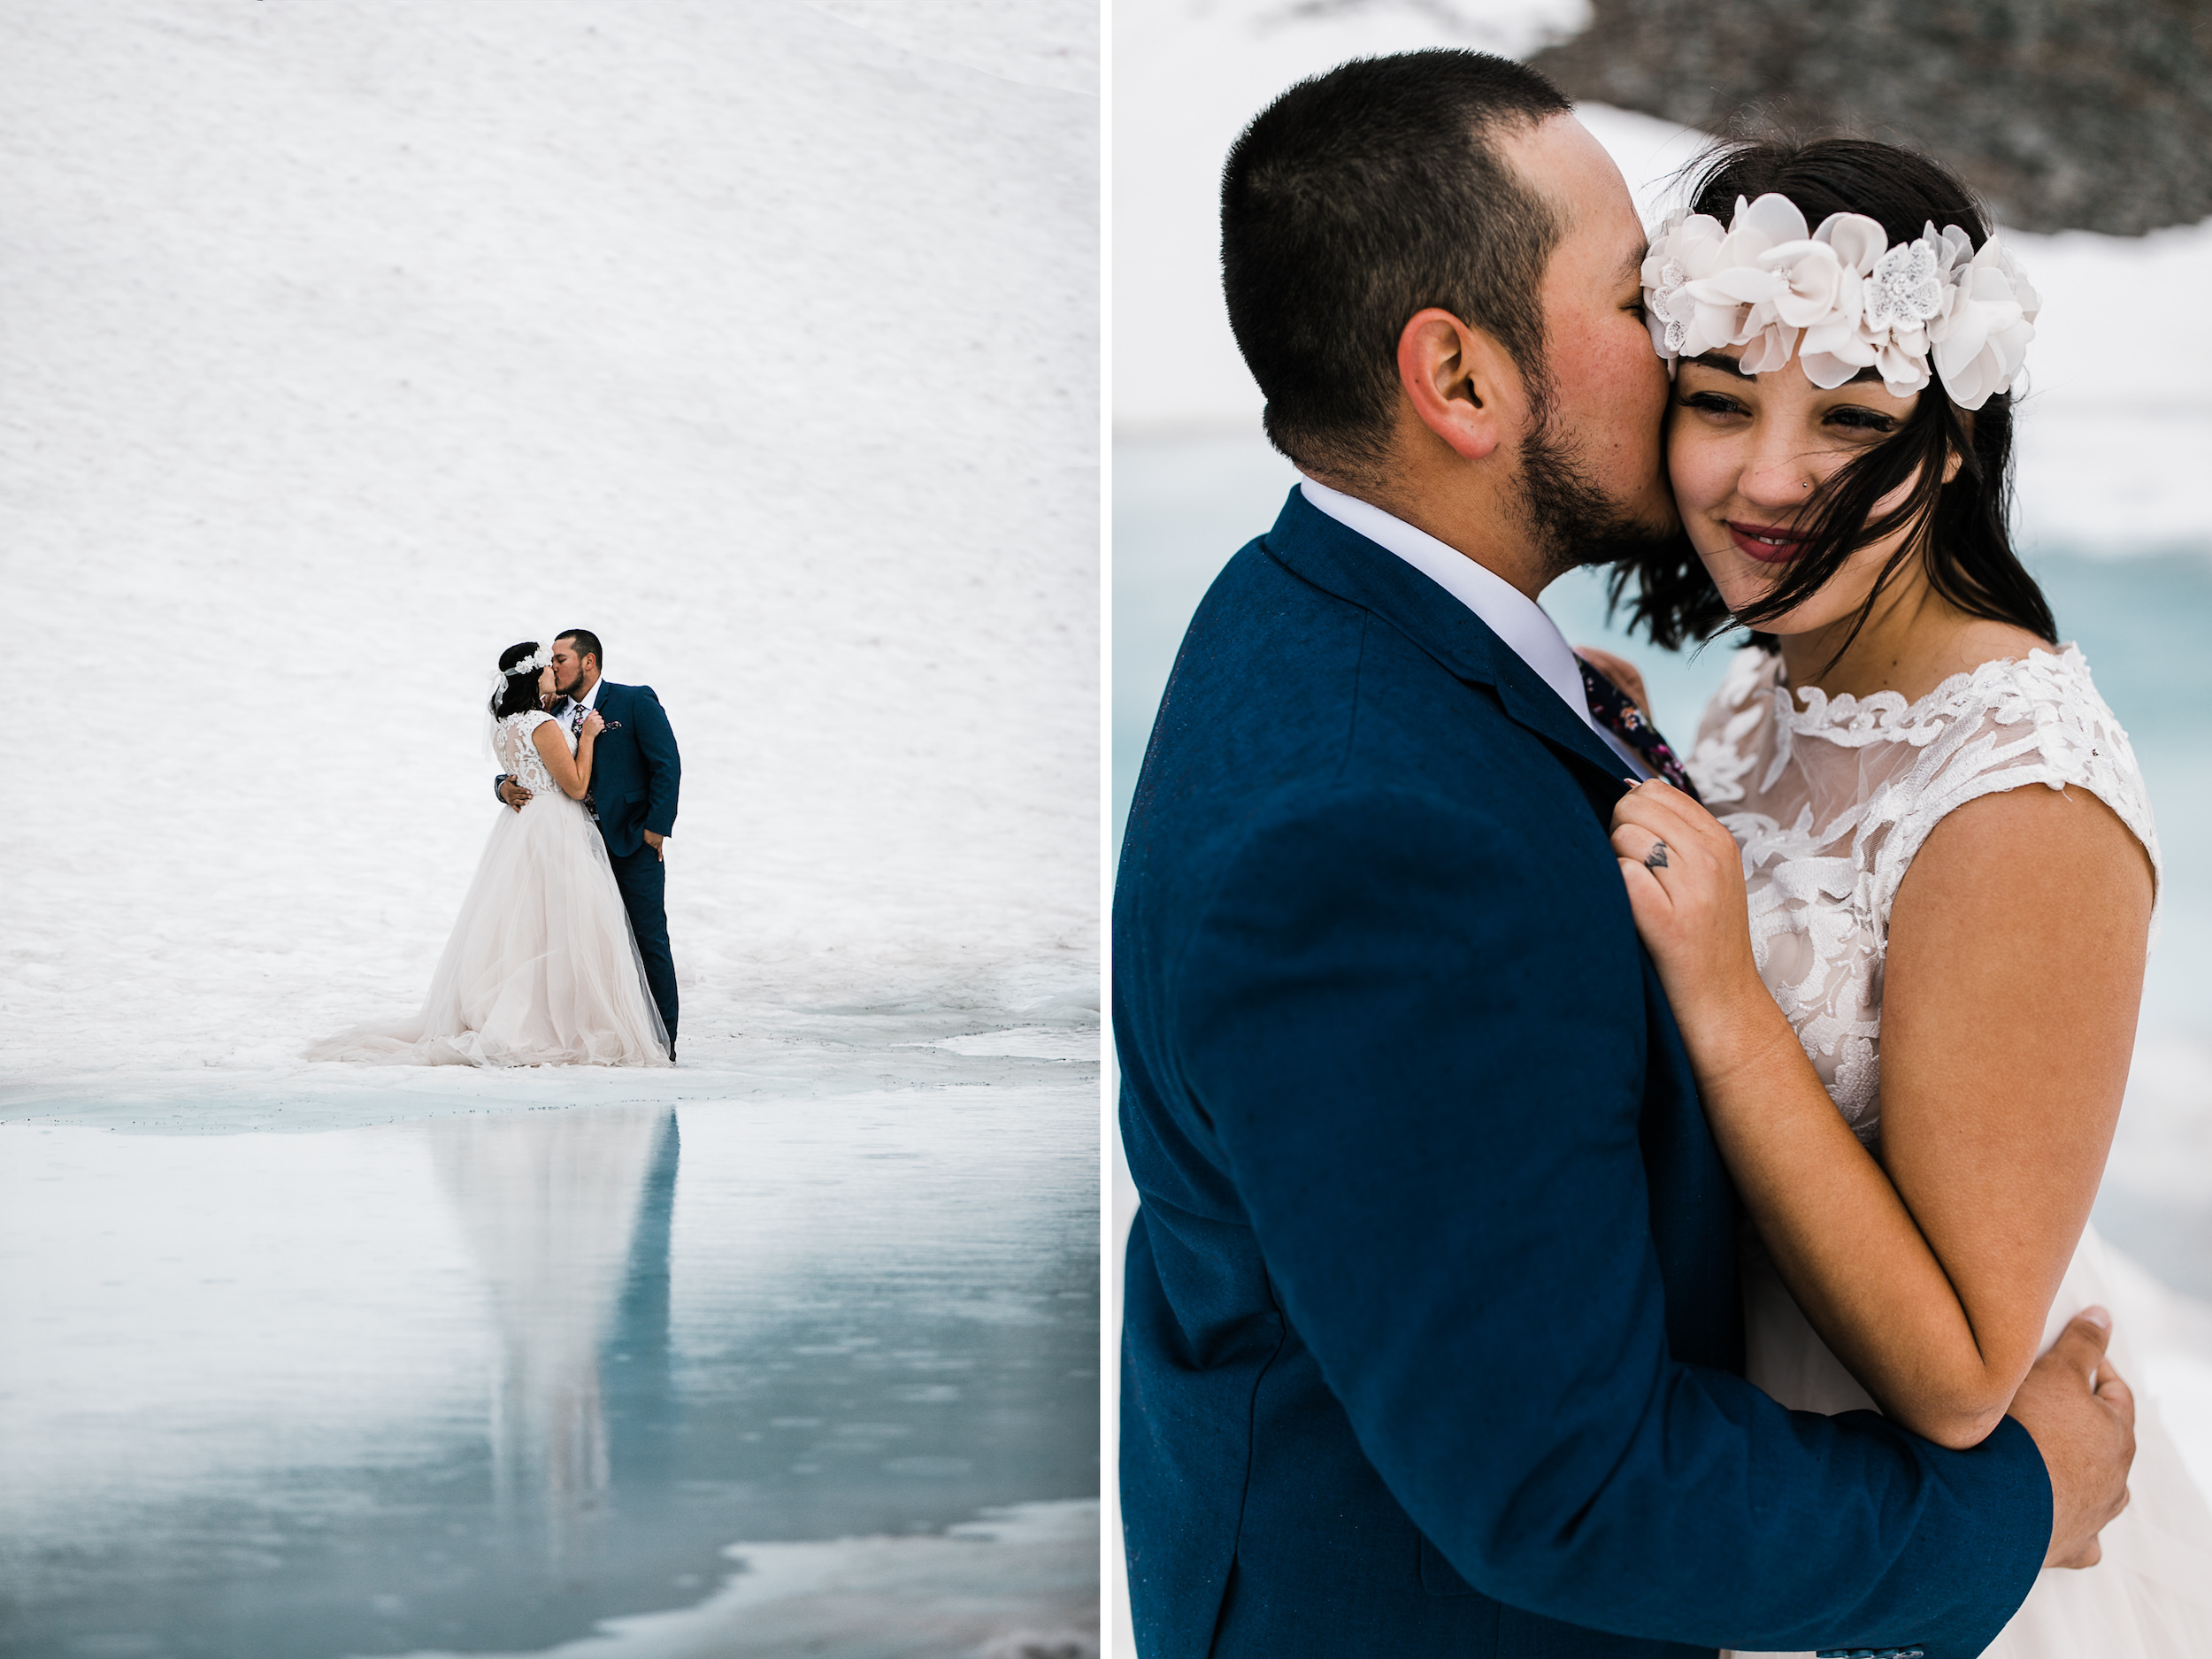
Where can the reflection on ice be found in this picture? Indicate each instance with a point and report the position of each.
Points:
(495, 1382)
(550, 1203)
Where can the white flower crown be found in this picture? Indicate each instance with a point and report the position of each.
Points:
(537, 660)
(1840, 299)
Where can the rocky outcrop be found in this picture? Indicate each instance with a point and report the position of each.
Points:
(2065, 114)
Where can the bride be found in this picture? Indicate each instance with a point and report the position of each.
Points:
(1907, 955)
(542, 968)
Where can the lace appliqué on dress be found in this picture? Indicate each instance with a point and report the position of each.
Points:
(1830, 800)
(515, 742)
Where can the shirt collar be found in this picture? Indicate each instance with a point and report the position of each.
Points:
(1511, 614)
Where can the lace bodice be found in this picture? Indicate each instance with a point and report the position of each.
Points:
(1830, 800)
(515, 741)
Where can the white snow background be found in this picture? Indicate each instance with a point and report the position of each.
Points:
(2114, 435)
(342, 347)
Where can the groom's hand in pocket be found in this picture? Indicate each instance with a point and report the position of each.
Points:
(654, 841)
(2081, 1416)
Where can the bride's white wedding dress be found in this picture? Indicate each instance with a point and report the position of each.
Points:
(1830, 800)
(542, 968)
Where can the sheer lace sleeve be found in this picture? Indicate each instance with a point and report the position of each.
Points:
(2006, 725)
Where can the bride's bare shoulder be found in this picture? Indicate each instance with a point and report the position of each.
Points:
(2031, 855)
(1983, 640)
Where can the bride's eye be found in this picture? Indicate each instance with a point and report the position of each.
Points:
(1711, 403)
(1863, 420)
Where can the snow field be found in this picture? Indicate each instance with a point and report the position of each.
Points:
(341, 350)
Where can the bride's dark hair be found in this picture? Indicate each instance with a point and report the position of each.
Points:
(518, 692)
(1960, 528)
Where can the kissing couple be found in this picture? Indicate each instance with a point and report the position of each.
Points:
(1598, 1201)
(560, 956)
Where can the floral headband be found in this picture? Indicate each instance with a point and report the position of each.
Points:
(537, 660)
(1840, 299)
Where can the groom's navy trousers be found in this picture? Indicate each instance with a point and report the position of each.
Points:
(635, 775)
(1431, 1340)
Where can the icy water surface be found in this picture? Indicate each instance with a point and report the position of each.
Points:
(818, 1374)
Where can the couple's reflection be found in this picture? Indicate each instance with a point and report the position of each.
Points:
(568, 1215)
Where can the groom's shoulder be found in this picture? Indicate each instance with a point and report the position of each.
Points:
(1295, 717)
(1280, 675)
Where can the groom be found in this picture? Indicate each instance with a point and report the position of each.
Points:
(635, 771)
(1431, 1342)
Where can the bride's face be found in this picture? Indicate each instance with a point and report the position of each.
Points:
(1746, 455)
(545, 687)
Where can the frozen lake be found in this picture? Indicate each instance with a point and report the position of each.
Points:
(793, 1373)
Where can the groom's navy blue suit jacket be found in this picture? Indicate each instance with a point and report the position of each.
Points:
(1431, 1339)
(636, 771)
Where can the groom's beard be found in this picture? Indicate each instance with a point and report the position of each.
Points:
(1569, 521)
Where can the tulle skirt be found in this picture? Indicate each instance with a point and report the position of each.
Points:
(542, 968)
(2150, 1597)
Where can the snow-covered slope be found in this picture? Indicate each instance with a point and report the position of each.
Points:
(342, 346)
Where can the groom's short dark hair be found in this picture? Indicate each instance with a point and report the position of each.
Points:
(586, 644)
(1360, 197)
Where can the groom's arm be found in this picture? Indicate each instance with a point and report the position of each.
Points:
(1423, 1069)
(663, 767)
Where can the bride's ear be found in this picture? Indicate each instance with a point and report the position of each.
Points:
(1465, 388)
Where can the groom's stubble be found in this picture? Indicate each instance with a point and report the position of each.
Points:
(1569, 521)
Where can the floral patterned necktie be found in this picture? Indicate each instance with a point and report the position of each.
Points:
(1610, 707)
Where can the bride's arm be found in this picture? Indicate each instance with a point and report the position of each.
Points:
(2014, 972)
(572, 773)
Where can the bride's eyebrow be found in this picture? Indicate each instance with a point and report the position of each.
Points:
(1726, 366)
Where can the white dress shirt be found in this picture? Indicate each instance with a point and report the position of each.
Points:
(1511, 614)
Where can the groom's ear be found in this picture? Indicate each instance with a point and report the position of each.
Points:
(1465, 386)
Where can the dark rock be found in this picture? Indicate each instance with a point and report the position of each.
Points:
(2065, 114)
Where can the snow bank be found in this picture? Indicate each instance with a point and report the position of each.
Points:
(1020, 1583)
(341, 348)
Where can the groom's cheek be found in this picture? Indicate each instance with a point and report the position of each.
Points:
(1611, 389)
(1633, 384)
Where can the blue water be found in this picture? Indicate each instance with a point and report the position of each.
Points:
(482, 1382)
(1182, 507)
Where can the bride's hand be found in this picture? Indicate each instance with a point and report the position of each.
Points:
(1685, 888)
(591, 726)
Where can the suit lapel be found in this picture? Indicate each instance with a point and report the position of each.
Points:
(1315, 548)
